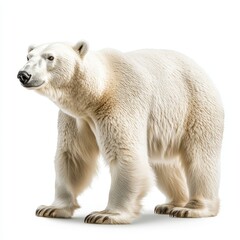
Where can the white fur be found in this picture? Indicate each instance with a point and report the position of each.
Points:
(142, 110)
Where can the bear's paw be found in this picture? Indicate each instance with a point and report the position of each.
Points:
(109, 217)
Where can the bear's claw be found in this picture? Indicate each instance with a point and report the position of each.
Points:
(53, 212)
(163, 209)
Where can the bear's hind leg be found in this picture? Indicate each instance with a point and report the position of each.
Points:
(202, 172)
(171, 181)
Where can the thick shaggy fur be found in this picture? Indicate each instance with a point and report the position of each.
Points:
(143, 110)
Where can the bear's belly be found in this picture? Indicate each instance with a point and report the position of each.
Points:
(163, 142)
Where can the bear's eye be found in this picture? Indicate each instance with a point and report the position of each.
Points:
(27, 58)
(50, 58)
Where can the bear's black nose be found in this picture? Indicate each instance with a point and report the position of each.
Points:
(23, 76)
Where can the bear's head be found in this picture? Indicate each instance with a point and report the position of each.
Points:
(66, 74)
(51, 64)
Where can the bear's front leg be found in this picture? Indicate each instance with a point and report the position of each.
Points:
(126, 152)
(65, 201)
(72, 177)
(75, 164)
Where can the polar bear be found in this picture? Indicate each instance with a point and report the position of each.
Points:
(148, 112)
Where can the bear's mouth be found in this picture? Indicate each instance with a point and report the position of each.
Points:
(33, 84)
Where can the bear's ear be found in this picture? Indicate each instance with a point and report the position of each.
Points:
(31, 47)
(82, 48)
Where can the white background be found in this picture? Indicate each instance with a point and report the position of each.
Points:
(208, 31)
